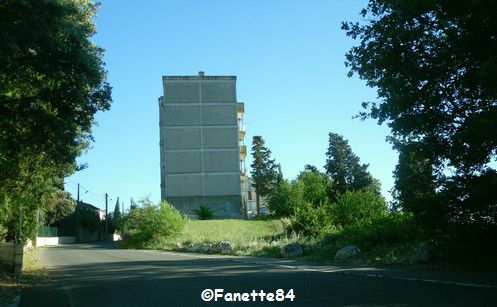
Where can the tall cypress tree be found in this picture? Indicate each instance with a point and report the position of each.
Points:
(116, 218)
(311, 168)
(344, 167)
(264, 170)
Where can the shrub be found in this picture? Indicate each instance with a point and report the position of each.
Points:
(203, 212)
(150, 222)
(4, 216)
(392, 229)
(358, 207)
(311, 220)
(469, 246)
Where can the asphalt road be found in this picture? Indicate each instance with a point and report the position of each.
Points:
(99, 275)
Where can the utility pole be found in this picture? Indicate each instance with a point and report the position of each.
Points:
(77, 218)
(106, 214)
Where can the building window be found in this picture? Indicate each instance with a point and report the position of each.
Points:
(249, 195)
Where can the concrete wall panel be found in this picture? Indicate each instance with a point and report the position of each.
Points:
(219, 115)
(220, 138)
(184, 185)
(181, 92)
(222, 184)
(183, 162)
(218, 92)
(221, 161)
(181, 115)
(228, 206)
(185, 138)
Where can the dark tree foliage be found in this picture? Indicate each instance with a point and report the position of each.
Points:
(434, 64)
(58, 205)
(117, 217)
(117, 211)
(264, 170)
(345, 169)
(415, 189)
(52, 82)
(311, 168)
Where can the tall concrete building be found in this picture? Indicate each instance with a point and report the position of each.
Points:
(201, 144)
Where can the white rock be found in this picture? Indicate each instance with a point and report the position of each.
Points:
(206, 248)
(193, 248)
(291, 250)
(225, 246)
(422, 254)
(347, 252)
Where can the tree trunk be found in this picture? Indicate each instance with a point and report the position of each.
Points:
(257, 204)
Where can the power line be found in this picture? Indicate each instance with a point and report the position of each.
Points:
(86, 189)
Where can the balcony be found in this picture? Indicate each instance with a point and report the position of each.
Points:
(240, 110)
(243, 178)
(243, 152)
(241, 134)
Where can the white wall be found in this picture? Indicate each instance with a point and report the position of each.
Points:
(47, 241)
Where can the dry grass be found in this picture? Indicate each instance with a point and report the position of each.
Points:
(32, 273)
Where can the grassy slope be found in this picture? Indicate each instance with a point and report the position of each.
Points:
(251, 237)
(237, 231)
(265, 238)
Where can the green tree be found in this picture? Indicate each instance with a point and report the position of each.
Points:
(58, 204)
(316, 186)
(311, 168)
(52, 82)
(117, 217)
(345, 169)
(286, 198)
(264, 170)
(415, 189)
(435, 67)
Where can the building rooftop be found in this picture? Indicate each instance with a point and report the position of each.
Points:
(201, 76)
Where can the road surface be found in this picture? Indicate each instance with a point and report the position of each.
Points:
(100, 275)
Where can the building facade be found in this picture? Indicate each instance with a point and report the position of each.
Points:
(201, 144)
(249, 199)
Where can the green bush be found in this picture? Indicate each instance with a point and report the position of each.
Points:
(151, 222)
(311, 220)
(392, 229)
(358, 207)
(309, 188)
(203, 212)
(4, 217)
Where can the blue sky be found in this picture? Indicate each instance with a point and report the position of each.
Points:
(288, 57)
